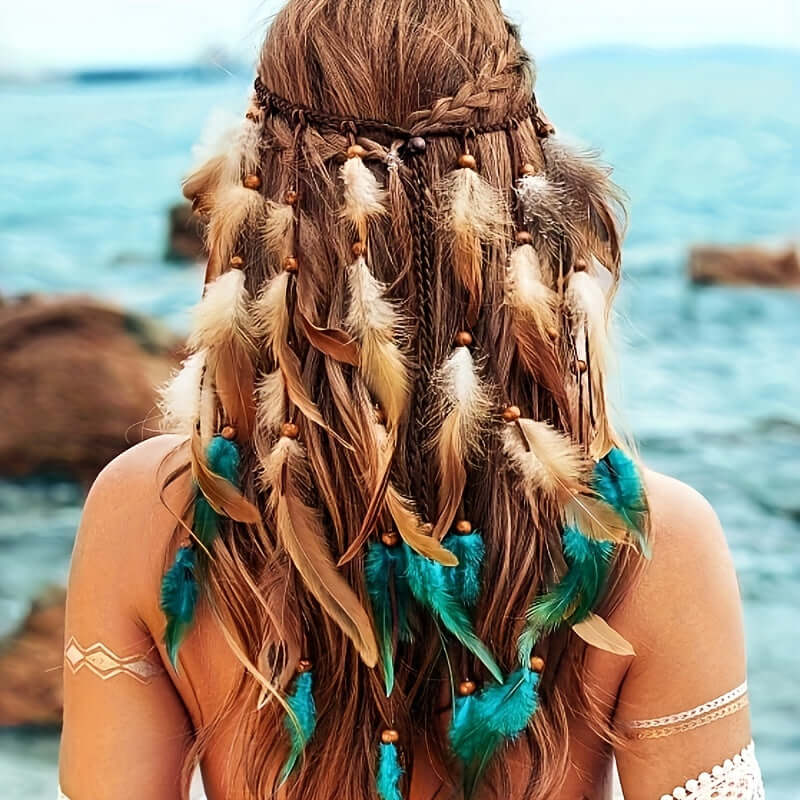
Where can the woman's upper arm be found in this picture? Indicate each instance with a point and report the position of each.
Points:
(683, 704)
(126, 731)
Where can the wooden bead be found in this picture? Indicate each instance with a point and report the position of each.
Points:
(291, 197)
(463, 526)
(466, 688)
(552, 333)
(580, 266)
(228, 432)
(236, 262)
(290, 430)
(356, 151)
(467, 161)
(358, 248)
(511, 413)
(252, 114)
(416, 144)
(463, 339)
(252, 182)
(304, 665)
(390, 736)
(537, 664)
(580, 365)
(528, 169)
(523, 237)
(290, 264)
(390, 539)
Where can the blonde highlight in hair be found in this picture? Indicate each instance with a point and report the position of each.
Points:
(369, 412)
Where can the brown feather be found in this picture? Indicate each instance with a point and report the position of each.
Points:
(414, 533)
(234, 378)
(333, 342)
(597, 632)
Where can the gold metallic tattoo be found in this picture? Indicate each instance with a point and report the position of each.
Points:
(719, 708)
(105, 663)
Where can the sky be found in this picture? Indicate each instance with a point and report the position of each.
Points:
(52, 35)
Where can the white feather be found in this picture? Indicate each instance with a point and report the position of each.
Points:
(363, 195)
(231, 207)
(222, 313)
(473, 207)
(462, 387)
(180, 396)
(527, 293)
(277, 229)
(542, 202)
(269, 311)
(587, 304)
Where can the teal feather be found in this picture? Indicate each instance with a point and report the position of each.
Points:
(223, 459)
(464, 579)
(575, 595)
(617, 480)
(178, 600)
(389, 593)
(483, 721)
(389, 773)
(301, 724)
(429, 585)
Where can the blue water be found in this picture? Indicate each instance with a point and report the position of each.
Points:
(705, 144)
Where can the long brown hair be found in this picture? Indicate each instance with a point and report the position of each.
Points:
(454, 74)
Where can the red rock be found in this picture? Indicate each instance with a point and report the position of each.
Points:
(744, 265)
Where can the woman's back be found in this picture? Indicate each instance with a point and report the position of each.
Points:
(404, 550)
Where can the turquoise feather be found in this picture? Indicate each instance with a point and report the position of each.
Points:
(389, 773)
(575, 595)
(223, 459)
(483, 721)
(617, 481)
(301, 723)
(430, 586)
(179, 592)
(387, 586)
(464, 580)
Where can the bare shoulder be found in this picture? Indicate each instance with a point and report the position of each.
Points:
(129, 515)
(687, 599)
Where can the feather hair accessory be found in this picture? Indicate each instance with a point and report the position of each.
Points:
(364, 198)
(179, 398)
(179, 591)
(477, 215)
(389, 772)
(461, 431)
(302, 536)
(587, 309)
(465, 578)
(300, 720)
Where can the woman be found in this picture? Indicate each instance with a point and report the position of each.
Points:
(397, 548)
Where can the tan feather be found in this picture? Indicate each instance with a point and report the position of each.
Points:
(477, 215)
(234, 378)
(459, 436)
(596, 519)
(276, 229)
(530, 299)
(179, 398)
(271, 413)
(222, 496)
(413, 532)
(364, 198)
(374, 322)
(597, 632)
(222, 314)
(302, 536)
(332, 342)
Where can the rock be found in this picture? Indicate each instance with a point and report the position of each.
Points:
(31, 660)
(78, 384)
(744, 265)
(185, 242)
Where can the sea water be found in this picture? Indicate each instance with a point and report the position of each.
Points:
(704, 143)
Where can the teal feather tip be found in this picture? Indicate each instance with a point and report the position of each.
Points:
(429, 584)
(300, 722)
(223, 458)
(464, 579)
(389, 773)
(179, 593)
(389, 594)
(616, 479)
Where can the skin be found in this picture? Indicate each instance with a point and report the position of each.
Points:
(124, 739)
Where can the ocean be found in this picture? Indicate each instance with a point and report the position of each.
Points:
(705, 145)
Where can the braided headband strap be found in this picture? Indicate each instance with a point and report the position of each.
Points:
(301, 114)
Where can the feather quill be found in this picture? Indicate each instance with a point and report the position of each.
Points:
(459, 436)
(302, 536)
(300, 721)
(429, 586)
